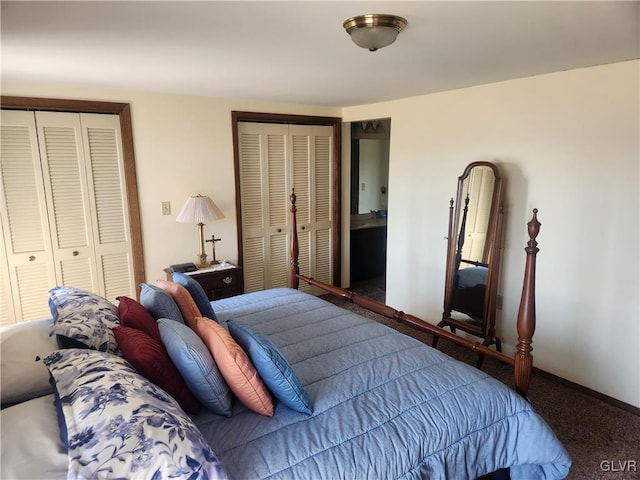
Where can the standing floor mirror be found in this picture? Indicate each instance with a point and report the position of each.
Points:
(473, 254)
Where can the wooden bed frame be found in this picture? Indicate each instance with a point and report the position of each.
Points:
(522, 361)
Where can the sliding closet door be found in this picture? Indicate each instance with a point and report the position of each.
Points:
(273, 159)
(28, 267)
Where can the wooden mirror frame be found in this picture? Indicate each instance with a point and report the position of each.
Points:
(493, 244)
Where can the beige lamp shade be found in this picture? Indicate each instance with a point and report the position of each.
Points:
(200, 209)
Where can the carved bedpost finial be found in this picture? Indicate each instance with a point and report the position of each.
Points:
(293, 247)
(527, 313)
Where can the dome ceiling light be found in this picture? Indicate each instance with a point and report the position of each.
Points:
(374, 31)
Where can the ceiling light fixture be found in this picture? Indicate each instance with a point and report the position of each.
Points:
(374, 31)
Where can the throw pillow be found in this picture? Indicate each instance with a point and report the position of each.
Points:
(159, 303)
(273, 367)
(197, 293)
(196, 365)
(149, 357)
(235, 366)
(134, 315)
(183, 299)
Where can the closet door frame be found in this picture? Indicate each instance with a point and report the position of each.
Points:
(123, 110)
(336, 207)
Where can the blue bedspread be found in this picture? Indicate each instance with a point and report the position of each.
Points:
(385, 405)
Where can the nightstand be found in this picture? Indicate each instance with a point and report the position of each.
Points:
(218, 281)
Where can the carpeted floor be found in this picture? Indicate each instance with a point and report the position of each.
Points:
(602, 440)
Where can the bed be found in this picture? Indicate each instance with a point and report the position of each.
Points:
(350, 398)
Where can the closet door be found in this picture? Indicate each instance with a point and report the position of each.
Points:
(28, 267)
(264, 183)
(273, 159)
(64, 210)
(311, 167)
(67, 192)
(108, 205)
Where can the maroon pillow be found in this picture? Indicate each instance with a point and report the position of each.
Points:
(149, 357)
(134, 315)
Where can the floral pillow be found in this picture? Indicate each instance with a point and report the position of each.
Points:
(83, 318)
(120, 425)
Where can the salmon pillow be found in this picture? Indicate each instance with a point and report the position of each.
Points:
(235, 366)
(183, 299)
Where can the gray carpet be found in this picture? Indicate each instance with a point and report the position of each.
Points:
(599, 437)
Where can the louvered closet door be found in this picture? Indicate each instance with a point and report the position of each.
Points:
(28, 268)
(273, 158)
(264, 183)
(108, 204)
(67, 192)
(311, 173)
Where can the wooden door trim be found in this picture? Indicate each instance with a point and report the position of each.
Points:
(336, 181)
(123, 110)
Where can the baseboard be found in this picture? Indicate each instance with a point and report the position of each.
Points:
(592, 393)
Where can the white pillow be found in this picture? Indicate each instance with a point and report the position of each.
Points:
(31, 445)
(22, 376)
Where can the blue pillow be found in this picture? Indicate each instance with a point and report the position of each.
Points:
(273, 368)
(196, 365)
(159, 303)
(197, 293)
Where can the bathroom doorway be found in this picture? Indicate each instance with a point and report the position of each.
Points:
(369, 206)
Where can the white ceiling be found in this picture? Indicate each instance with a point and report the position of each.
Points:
(298, 52)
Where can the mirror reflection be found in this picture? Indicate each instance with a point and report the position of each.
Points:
(475, 225)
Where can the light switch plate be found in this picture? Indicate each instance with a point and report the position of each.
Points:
(166, 208)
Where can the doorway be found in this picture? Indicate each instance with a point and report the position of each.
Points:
(368, 208)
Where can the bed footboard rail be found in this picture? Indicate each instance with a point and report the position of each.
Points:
(522, 360)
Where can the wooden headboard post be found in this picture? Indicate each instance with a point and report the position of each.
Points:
(526, 323)
(294, 250)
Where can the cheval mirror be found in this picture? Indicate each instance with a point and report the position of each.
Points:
(473, 254)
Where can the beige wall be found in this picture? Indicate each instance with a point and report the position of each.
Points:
(568, 144)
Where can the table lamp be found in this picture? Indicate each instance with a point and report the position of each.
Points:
(200, 209)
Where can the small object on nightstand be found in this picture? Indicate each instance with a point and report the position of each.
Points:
(213, 241)
(183, 267)
(218, 281)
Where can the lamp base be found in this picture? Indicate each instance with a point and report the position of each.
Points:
(201, 261)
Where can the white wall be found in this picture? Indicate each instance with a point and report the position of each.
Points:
(183, 146)
(567, 143)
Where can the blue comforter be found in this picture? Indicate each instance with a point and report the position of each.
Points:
(385, 405)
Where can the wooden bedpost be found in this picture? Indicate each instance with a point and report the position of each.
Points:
(293, 245)
(523, 360)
